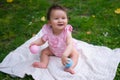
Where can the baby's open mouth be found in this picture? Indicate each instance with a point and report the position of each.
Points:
(60, 24)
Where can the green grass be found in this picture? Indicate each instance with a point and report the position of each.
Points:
(94, 21)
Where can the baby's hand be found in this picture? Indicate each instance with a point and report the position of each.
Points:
(34, 49)
(64, 60)
(31, 44)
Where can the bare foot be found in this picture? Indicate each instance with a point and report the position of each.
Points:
(70, 70)
(39, 65)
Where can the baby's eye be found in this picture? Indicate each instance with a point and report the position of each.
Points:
(55, 18)
(63, 18)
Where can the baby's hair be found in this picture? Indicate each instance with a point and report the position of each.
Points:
(55, 7)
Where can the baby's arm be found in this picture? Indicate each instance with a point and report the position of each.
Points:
(69, 45)
(38, 42)
(68, 48)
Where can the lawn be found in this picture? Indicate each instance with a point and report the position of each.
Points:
(94, 21)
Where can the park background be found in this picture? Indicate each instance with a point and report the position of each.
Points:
(95, 21)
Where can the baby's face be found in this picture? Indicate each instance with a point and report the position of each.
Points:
(58, 20)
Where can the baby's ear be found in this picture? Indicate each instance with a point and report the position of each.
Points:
(49, 23)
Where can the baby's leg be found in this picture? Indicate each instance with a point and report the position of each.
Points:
(44, 59)
(74, 56)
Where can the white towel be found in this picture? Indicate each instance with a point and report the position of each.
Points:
(95, 63)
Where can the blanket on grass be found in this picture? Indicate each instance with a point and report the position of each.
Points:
(95, 63)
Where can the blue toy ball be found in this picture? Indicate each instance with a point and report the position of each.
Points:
(69, 63)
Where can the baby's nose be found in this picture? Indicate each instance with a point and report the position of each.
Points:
(60, 20)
